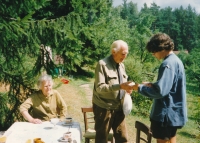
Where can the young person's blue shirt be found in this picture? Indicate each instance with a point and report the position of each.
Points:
(169, 93)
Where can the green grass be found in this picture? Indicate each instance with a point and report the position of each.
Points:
(76, 96)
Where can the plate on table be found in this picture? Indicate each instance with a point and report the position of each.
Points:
(64, 140)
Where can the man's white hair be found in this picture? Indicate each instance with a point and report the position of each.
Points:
(116, 45)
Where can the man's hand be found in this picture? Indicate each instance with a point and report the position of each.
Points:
(135, 87)
(127, 86)
(129, 91)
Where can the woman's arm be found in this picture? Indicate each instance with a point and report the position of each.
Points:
(29, 118)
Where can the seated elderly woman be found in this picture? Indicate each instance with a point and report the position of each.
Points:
(45, 104)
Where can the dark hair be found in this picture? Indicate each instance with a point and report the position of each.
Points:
(159, 42)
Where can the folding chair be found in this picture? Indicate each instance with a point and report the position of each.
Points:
(141, 127)
(90, 133)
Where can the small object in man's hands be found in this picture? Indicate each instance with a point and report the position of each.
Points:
(132, 83)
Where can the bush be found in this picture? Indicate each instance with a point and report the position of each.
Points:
(142, 104)
(140, 72)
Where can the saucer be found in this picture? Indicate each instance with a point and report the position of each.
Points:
(61, 139)
(67, 124)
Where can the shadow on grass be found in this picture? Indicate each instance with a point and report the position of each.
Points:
(83, 74)
(84, 78)
(141, 113)
(193, 118)
(188, 135)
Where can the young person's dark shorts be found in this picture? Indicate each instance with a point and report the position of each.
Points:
(161, 131)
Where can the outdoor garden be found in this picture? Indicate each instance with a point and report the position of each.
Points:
(66, 39)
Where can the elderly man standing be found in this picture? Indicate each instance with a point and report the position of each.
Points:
(110, 86)
(45, 103)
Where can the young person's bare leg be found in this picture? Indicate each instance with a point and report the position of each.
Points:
(172, 140)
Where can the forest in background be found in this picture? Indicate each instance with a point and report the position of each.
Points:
(81, 31)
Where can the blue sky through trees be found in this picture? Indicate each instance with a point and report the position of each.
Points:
(172, 3)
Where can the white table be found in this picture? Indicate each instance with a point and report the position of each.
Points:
(20, 132)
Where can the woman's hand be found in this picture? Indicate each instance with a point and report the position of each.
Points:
(28, 117)
(148, 84)
(35, 121)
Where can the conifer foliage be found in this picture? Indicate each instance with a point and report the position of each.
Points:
(67, 26)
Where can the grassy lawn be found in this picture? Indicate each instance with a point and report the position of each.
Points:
(78, 93)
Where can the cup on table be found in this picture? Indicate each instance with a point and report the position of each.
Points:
(67, 136)
(68, 120)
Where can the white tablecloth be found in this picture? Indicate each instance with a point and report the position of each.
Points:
(20, 132)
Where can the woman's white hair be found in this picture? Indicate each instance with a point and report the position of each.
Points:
(42, 78)
(116, 45)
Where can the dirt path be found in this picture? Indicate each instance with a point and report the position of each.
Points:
(88, 91)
